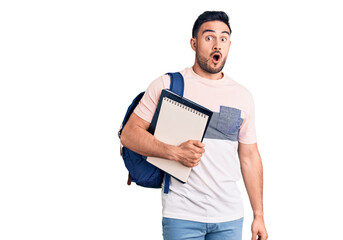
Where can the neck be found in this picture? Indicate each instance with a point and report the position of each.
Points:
(212, 76)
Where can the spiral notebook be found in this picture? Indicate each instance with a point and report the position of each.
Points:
(178, 120)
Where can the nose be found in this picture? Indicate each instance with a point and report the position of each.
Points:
(216, 46)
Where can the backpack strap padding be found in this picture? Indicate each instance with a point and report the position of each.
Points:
(176, 83)
(177, 86)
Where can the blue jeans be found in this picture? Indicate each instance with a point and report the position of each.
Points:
(176, 229)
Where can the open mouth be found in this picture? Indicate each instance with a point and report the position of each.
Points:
(216, 57)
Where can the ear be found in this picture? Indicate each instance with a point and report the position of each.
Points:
(193, 43)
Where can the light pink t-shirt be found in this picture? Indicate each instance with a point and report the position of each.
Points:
(211, 193)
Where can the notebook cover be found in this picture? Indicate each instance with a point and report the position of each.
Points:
(181, 120)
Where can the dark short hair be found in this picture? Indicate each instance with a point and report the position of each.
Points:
(210, 16)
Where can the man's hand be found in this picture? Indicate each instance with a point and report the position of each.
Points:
(136, 137)
(189, 153)
(258, 229)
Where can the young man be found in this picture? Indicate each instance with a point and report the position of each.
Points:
(209, 205)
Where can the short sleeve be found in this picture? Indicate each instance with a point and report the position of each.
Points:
(247, 133)
(147, 105)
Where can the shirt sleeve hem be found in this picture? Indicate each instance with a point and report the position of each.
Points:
(141, 115)
(247, 142)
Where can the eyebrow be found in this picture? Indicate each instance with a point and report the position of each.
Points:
(208, 30)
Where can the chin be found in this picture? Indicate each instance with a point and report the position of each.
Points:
(215, 69)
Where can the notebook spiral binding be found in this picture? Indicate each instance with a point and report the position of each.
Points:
(185, 107)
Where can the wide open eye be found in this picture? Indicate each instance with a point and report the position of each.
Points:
(209, 38)
(223, 39)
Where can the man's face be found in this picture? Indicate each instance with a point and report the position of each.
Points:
(212, 46)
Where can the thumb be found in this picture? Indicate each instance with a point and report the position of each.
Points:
(198, 143)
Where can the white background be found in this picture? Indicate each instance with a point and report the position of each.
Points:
(69, 70)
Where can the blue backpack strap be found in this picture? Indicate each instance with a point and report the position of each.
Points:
(176, 83)
(177, 86)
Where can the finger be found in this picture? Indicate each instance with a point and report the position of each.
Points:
(192, 164)
(198, 143)
(189, 164)
(254, 235)
(199, 150)
(264, 236)
(196, 163)
(196, 160)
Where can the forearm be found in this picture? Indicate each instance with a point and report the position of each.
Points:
(141, 141)
(252, 172)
